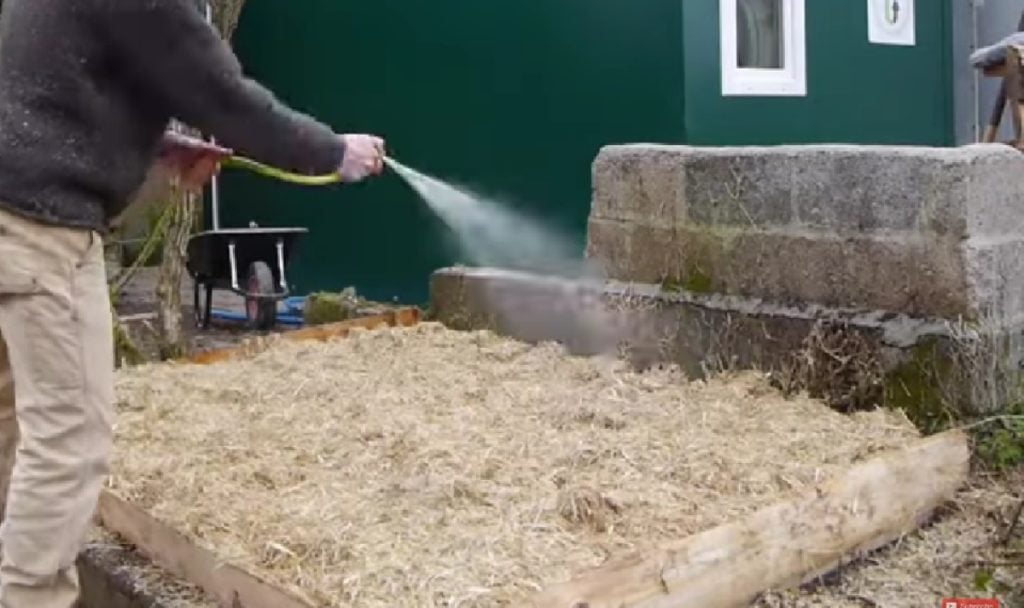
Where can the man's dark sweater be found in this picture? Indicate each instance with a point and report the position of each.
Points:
(88, 87)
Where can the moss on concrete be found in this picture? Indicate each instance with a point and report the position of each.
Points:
(672, 286)
(699, 282)
(916, 387)
(695, 282)
(706, 252)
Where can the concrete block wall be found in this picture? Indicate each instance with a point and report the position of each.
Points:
(910, 258)
(919, 231)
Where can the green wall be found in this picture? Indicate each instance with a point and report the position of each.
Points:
(857, 92)
(513, 97)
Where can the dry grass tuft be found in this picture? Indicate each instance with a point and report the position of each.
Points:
(426, 467)
(587, 507)
(837, 364)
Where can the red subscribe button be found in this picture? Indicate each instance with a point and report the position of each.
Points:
(962, 603)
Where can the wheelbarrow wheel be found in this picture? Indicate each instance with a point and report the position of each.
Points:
(260, 305)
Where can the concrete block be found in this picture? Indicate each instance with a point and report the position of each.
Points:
(995, 269)
(646, 253)
(914, 276)
(995, 193)
(957, 192)
(750, 190)
(532, 308)
(917, 231)
(608, 244)
(644, 185)
(1009, 258)
(868, 191)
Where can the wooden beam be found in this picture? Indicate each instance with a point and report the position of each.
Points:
(230, 586)
(404, 317)
(871, 505)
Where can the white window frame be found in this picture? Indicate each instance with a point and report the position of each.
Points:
(789, 81)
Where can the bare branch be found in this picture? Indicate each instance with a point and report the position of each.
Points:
(226, 14)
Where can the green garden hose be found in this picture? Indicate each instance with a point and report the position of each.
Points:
(241, 162)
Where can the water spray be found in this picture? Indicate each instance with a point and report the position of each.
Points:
(488, 231)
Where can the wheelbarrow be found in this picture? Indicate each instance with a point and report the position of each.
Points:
(250, 262)
(224, 258)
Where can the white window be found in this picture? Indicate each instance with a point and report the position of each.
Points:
(763, 47)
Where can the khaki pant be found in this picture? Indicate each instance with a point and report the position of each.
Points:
(56, 405)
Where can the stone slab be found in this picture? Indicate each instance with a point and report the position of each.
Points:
(530, 307)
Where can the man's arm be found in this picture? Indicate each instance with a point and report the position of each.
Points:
(182, 62)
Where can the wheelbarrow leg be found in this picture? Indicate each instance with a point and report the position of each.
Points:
(280, 265)
(197, 312)
(202, 308)
(234, 266)
(208, 306)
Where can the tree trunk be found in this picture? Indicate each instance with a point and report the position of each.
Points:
(186, 215)
(225, 16)
(172, 268)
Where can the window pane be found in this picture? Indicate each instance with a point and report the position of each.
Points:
(759, 34)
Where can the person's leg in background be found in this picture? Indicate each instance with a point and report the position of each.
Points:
(55, 319)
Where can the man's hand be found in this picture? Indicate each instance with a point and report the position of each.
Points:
(194, 160)
(364, 156)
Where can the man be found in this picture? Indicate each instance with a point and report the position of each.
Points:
(87, 89)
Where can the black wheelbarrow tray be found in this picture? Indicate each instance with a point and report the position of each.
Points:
(250, 262)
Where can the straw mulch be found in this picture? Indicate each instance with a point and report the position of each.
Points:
(426, 467)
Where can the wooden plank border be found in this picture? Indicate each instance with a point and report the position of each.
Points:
(230, 586)
(868, 506)
(404, 317)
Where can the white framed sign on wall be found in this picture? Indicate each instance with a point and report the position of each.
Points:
(891, 22)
